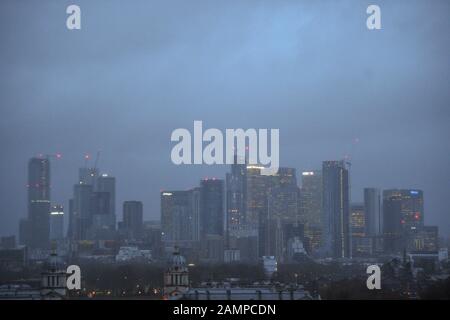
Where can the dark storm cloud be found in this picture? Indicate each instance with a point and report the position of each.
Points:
(139, 70)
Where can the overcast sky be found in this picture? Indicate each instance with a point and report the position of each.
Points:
(137, 70)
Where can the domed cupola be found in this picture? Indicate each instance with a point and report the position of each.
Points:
(53, 284)
(176, 278)
(178, 262)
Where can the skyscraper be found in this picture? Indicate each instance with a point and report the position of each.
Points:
(283, 196)
(236, 197)
(336, 211)
(311, 198)
(133, 219)
(80, 211)
(257, 191)
(212, 218)
(361, 242)
(256, 210)
(372, 209)
(39, 202)
(80, 206)
(180, 217)
(357, 220)
(102, 223)
(311, 206)
(56, 222)
(107, 183)
(212, 207)
(282, 210)
(402, 215)
(241, 239)
(92, 209)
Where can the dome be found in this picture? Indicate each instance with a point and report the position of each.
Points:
(54, 263)
(178, 261)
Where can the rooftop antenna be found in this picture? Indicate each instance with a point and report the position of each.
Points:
(96, 160)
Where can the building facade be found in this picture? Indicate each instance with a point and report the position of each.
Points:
(336, 211)
(402, 215)
(57, 222)
(311, 207)
(38, 202)
(133, 219)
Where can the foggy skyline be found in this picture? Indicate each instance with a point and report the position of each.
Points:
(137, 71)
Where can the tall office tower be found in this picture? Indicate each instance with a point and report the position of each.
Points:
(357, 220)
(336, 210)
(236, 196)
(311, 207)
(92, 212)
(372, 209)
(80, 206)
(361, 242)
(57, 222)
(151, 235)
(101, 227)
(39, 202)
(258, 186)
(180, 217)
(211, 207)
(80, 214)
(402, 215)
(282, 209)
(283, 196)
(106, 183)
(311, 198)
(133, 219)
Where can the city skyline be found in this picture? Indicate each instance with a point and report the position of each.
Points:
(224, 151)
(277, 226)
(129, 77)
(86, 171)
(266, 210)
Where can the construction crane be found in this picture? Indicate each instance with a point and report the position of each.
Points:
(96, 160)
(87, 157)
